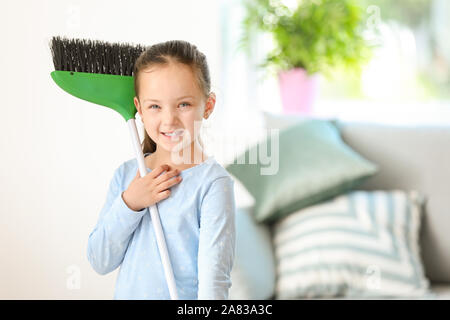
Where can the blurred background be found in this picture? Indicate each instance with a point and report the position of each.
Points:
(59, 153)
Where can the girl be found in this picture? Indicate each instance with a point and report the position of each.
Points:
(195, 197)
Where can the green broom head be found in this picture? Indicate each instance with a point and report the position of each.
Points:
(97, 71)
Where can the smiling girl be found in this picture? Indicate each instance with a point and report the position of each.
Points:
(193, 192)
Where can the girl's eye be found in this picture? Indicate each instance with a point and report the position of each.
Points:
(155, 106)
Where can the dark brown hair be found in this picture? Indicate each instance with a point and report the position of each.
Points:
(162, 53)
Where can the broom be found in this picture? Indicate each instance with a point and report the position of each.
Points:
(101, 73)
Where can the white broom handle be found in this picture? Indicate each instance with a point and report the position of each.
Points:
(154, 215)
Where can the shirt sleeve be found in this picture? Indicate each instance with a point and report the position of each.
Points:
(217, 239)
(109, 240)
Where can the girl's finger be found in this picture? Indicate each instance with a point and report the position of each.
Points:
(169, 183)
(168, 175)
(158, 170)
(163, 195)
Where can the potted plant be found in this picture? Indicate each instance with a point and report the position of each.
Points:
(310, 37)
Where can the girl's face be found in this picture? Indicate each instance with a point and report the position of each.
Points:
(170, 100)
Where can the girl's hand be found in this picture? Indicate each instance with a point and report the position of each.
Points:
(146, 191)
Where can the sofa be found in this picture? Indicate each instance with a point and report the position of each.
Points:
(408, 158)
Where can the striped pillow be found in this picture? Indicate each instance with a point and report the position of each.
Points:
(360, 244)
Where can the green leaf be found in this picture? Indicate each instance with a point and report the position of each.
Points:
(318, 35)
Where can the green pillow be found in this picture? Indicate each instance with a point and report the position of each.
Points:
(311, 164)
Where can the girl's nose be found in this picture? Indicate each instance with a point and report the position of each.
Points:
(169, 115)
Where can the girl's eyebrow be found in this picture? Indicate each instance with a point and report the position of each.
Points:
(179, 98)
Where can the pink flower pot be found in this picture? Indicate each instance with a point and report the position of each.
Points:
(298, 90)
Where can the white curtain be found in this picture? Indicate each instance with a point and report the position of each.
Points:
(243, 91)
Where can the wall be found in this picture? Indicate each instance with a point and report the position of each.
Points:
(58, 153)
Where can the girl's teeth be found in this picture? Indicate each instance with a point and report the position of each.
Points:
(173, 134)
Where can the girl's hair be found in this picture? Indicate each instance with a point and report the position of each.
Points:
(161, 54)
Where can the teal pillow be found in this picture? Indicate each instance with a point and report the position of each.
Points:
(309, 163)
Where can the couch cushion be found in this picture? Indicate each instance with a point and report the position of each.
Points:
(362, 244)
(408, 157)
(311, 164)
(412, 157)
(253, 273)
(441, 291)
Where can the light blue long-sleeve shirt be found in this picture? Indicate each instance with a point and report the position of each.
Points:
(198, 221)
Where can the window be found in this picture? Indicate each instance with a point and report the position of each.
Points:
(406, 81)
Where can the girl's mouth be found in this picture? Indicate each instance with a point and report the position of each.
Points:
(173, 135)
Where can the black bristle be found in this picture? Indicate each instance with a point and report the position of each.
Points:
(94, 56)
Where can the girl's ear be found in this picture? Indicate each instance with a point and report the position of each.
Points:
(137, 105)
(209, 106)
